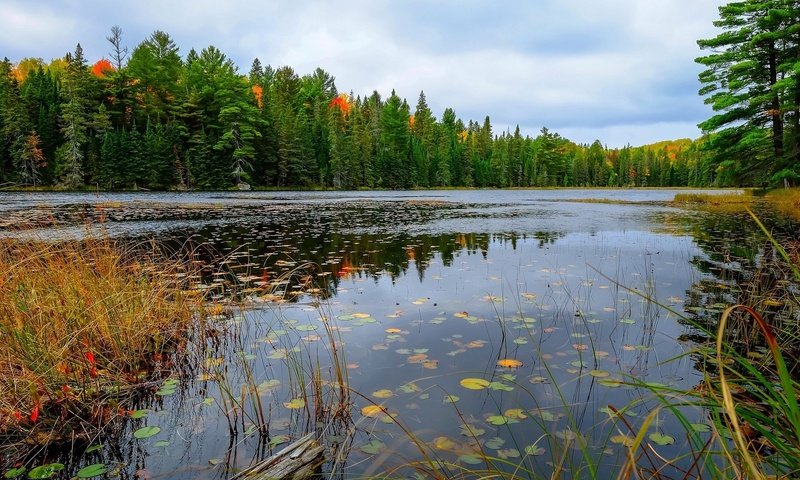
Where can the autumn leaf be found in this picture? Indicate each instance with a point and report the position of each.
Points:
(295, 403)
(509, 363)
(383, 393)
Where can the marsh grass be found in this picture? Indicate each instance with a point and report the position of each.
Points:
(786, 202)
(748, 391)
(82, 326)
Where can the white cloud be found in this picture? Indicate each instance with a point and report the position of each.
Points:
(33, 30)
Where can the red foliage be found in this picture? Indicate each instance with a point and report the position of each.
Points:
(342, 101)
(258, 92)
(35, 413)
(102, 66)
(92, 364)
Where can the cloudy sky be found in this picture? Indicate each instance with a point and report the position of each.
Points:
(620, 71)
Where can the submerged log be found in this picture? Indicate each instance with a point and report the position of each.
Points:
(299, 460)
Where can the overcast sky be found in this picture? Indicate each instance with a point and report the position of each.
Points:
(621, 71)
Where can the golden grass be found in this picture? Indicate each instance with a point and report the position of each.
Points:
(786, 201)
(80, 323)
(714, 198)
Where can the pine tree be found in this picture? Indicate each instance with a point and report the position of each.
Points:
(395, 169)
(752, 60)
(75, 120)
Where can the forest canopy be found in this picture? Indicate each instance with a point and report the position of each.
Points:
(153, 118)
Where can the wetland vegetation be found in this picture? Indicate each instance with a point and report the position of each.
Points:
(450, 334)
(477, 333)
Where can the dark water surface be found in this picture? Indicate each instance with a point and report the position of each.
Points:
(429, 294)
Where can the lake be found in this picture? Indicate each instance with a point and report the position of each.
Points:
(506, 325)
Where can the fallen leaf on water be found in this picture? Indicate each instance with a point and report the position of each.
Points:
(373, 411)
(509, 363)
(622, 440)
(516, 413)
(443, 443)
(383, 393)
(295, 403)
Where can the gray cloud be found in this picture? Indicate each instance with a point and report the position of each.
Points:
(618, 70)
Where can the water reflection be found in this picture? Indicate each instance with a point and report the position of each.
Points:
(424, 297)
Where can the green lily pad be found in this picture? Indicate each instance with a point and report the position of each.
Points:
(495, 443)
(373, 447)
(15, 472)
(700, 427)
(470, 459)
(92, 471)
(661, 439)
(146, 432)
(45, 471)
(471, 430)
(500, 386)
(501, 420)
(534, 450)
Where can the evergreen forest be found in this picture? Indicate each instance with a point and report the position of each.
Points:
(152, 118)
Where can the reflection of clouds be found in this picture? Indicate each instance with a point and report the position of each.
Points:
(508, 275)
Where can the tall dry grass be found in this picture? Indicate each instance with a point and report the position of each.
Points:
(81, 325)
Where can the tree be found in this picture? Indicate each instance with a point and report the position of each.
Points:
(14, 122)
(751, 65)
(395, 168)
(75, 119)
(157, 67)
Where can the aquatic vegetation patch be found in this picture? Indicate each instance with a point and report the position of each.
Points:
(83, 326)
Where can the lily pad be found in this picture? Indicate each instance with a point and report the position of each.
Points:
(45, 471)
(470, 459)
(534, 450)
(495, 443)
(383, 393)
(373, 447)
(700, 427)
(474, 383)
(500, 386)
(661, 439)
(146, 432)
(92, 471)
(15, 472)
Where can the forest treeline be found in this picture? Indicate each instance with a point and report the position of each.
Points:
(153, 119)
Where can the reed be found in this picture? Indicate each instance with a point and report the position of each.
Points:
(82, 325)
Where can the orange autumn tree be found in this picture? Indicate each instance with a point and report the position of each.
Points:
(342, 102)
(258, 93)
(102, 67)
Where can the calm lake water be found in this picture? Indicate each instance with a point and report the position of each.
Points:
(496, 323)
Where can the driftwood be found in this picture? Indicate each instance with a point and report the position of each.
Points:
(297, 461)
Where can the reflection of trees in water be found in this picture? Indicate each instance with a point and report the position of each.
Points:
(265, 252)
(740, 267)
